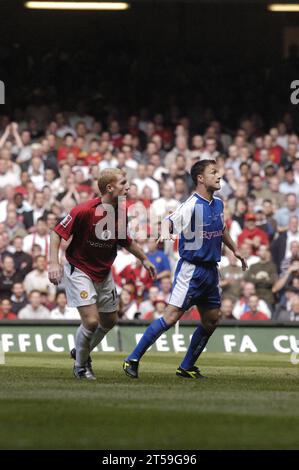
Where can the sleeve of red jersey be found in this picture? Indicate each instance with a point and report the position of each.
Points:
(66, 227)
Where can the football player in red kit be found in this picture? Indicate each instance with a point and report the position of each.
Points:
(95, 227)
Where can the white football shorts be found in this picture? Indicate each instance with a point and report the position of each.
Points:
(81, 290)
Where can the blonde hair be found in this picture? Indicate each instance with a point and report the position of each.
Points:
(108, 176)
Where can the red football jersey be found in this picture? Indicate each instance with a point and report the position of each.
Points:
(96, 235)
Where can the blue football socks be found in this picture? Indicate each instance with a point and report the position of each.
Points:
(198, 343)
(151, 334)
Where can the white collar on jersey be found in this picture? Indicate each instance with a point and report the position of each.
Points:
(210, 202)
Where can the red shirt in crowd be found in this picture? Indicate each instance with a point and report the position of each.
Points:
(254, 316)
(63, 152)
(274, 154)
(251, 234)
(8, 316)
(139, 276)
(94, 245)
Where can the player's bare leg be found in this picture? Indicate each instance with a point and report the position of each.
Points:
(151, 334)
(209, 321)
(172, 314)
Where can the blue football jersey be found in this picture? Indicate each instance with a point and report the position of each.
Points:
(200, 225)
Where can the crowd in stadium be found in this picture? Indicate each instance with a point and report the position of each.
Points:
(49, 164)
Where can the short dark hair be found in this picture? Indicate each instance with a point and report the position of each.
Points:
(59, 293)
(199, 167)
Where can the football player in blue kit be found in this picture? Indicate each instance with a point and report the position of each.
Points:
(199, 222)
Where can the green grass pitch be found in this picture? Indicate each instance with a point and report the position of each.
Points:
(249, 402)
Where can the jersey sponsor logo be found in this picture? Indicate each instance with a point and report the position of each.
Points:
(99, 245)
(209, 235)
(65, 222)
(83, 294)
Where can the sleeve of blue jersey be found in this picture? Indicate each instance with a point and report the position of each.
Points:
(182, 216)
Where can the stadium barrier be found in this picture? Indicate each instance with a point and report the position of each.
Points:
(242, 337)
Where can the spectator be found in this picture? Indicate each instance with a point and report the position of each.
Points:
(18, 297)
(38, 278)
(242, 305)
(4, 243)
(284, 214)
(252, 235)
(147, 307)
(8, 277)
(210, 151)
(40, 237)
(36, 170)
(159, 308)
(138, 276)
(143, 180)
(291, 314)
(7, 193)
(226, 309)
(34, 310)
(263, 275)
(159, 260)
(21, 204)
(253, 312)
(281, 246)
(259, 189)
(22, 260)
(6, 312)
(165, 288)
(275, 195)
(294, 256)
(31, 218)
(166, 204)
(268, 211)
(286, 278)
(238, 218)
(127, 305)
(62, 311)
(13, 226)
(262, 223)
(181, 147)
(231, 277)
(289, 185)
(70, 195)
(180, 189)
(181, 170)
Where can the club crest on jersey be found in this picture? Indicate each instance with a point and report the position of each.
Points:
(68, 218)
(83, 294)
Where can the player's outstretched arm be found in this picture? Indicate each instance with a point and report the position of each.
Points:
(139, 253)
(55, 269)
(228, 241)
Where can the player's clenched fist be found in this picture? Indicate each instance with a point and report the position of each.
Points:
(55, 273)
